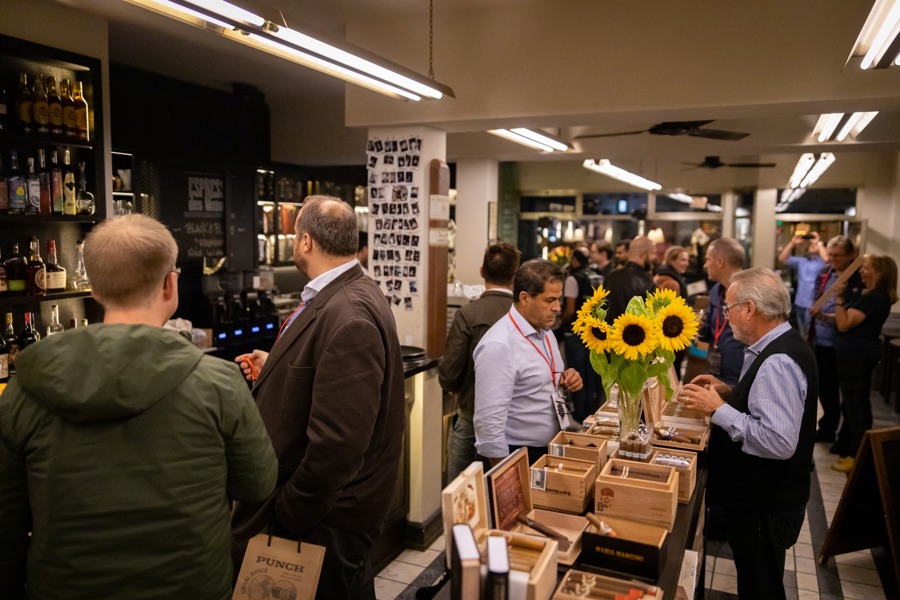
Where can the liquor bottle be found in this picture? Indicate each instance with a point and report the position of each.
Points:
(24, 104)
(68, 184)
(33, 187)
(54, 106)
(15, 273)
(84, 200)
(40, 110)
(56, 185)
(56, 275)
(13, 344)
(68, 108)
(35, 271)
(44, 181)
(55, 326)
(80, 279)
(4, 190)
(4, 361)
(4, 110)
(29, 335)
(81, 111)
(4, 282)
(73, 323)
(18, 192)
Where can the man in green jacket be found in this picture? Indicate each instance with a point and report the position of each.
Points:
(121, 443)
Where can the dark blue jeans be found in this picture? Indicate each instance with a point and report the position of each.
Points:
(578, 357)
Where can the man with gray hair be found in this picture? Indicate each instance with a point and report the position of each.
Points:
(761, 446)
(121, 443)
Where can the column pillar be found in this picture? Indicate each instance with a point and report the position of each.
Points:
(476, 189)
(764, 229)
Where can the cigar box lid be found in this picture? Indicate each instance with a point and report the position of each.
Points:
(464, 501)
(509, 490)
(616, 465)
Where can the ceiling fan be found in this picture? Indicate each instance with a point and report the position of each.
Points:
(714, 162)
(671, 128)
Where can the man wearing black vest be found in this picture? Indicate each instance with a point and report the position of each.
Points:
(761, 446)
(580, 286)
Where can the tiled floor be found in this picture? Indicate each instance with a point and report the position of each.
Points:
(865, 575)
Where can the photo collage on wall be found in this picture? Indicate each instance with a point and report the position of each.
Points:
(395, 219)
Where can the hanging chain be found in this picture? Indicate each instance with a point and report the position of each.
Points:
(431, 39)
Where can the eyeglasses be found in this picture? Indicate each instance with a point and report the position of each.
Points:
(727, 307)
(177, 271)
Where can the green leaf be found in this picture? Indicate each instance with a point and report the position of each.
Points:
(632, 377)
(636, 306)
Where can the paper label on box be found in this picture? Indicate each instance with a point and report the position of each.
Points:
(557, 450)
(538, 479)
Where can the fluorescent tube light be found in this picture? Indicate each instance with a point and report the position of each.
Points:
(681, 197)
(821, 165)
(878, 42)
(855, 124)
(604, 167)
(826, 125)
(803, 165)
(527, 137)
(837, 126)
(514, 137)
(230, 11)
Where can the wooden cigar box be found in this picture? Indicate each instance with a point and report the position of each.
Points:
(565, 484)
(576, 585)
(532, 565)
(581, 446)
(632, 548)
(509, 495)
(464, 501)
(637, 491)
(673, 433)
(687, 476)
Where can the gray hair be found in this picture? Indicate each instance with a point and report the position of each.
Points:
(331, 223)
(766, 289)
(729, 250)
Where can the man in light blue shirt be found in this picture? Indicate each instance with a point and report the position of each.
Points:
(808, 268)
(520, 379)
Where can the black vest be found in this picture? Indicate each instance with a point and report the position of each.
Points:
(588, 280)
(741, 480)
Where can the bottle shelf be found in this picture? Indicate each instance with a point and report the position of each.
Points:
(7, 301)
(48, 219)
(37, 139)
(128, 194)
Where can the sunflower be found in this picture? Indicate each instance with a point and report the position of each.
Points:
(660, 299)
(595, 306)
(632, 336)
(675, 326)
(594, 334)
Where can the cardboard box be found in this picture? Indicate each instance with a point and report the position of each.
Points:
(576, 585)
(565, 484)
(637, 549)
(581, 446)
(637, 491)
(687, 476)
(533, 565)
(464, 500)
(687, 580)
(509, 494)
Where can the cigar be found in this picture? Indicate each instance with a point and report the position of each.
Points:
(564, 467)
(601, 526)
(564, 542)
(632, 474)
(614, 585)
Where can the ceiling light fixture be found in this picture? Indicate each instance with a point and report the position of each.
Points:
(340, 60)
(879, 40)
(809, 169)
(604, 167)
(533, 139)
(838, 126)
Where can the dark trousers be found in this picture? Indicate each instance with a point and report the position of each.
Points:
(578, 357)
(534, 452)
(855, 374)
(758, 541)
(829, 390)
(346, 569)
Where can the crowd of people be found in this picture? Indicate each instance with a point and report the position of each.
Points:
(130, 460)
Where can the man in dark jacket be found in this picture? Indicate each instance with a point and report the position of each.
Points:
(456, 371)
(121, 443)
(332, 398)
(763, 435)
(632, 279)
(578, 287)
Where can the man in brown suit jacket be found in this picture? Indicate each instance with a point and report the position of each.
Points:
(331, 396)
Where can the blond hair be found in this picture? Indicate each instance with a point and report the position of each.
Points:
(127, 258)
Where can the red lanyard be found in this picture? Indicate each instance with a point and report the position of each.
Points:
(823, 281)
(288, 320)
(719, 329)
(550, 363)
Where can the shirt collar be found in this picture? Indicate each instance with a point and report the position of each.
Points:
(526, 327)
(316, 285)
(767, 339)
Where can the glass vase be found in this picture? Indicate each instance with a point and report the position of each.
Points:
(634, 439)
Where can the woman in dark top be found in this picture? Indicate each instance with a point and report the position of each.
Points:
(858, 348)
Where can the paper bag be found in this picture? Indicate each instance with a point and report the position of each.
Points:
(280, 569)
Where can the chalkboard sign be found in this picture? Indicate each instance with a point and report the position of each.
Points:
(201, 229)
(868, 514)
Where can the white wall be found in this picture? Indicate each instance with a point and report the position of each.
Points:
(476, 186)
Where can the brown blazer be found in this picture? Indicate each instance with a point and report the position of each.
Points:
(332, 398)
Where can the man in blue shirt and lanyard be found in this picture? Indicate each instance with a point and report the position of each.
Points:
(762, 443)
(724, 258)
(520, 379)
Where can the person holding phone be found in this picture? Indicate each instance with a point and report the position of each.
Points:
(807, 263)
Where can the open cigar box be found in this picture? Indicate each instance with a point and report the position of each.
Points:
(637, 491)
(464, 500)
(679, 433)
(564, 484)
(632, 548)
(685, 464)
(576, 585)
(509, 493)
(532, 565)
(580, 446)
(604, 427)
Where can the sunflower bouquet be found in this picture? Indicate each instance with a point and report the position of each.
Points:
(640, 344)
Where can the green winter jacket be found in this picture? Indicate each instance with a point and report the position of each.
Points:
(120, 446)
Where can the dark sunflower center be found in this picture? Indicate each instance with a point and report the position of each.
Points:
(634, 335)
(598, 333)
(672, 326)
